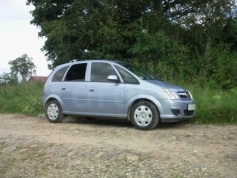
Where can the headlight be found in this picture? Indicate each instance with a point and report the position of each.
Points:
(170, 94)
(190, 94)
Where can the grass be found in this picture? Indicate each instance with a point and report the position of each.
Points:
(213, 106)
(25, 98)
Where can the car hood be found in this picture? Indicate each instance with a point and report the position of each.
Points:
(164, 84)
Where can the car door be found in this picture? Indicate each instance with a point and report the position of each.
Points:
(130, 85)
(104, 97)
(74, 89)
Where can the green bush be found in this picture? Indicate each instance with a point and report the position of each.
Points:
(215, 106)
(218, 67)
(23, 98)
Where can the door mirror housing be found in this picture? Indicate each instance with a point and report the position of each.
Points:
(112, 78)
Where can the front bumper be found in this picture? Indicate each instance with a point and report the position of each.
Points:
(176, 110)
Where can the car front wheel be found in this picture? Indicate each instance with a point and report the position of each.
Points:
(54, 111)
(144, 115)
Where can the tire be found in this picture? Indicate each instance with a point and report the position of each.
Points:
(54, 111)
(144, 115)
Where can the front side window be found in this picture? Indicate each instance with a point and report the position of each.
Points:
(127, 77)
(77, 72)
(58, 76)
(100, 72)
(143, 74)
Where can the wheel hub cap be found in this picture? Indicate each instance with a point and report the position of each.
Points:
(53, 111)
(143, 116)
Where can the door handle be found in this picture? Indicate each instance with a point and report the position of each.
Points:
(91, 89)
(63, 88)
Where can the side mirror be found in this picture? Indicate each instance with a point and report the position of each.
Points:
(112, 78)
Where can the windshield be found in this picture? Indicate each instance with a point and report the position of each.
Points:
(141, 73)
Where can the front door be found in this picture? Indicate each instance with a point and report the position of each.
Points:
(104, 97)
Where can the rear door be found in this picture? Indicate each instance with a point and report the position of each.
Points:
(74, 89)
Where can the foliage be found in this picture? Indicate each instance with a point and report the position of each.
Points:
(168, 53)
(8, 78)
(214, 106)
(22, 65)
(218, 67)
(24, 98)
(178, 39)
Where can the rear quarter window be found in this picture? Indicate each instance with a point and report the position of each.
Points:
(58, 76)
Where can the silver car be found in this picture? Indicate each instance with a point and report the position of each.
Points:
(102, 88)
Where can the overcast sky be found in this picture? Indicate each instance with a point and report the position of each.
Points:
(18, 36)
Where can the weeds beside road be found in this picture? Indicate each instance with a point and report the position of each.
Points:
(33, 147)
(213, 106)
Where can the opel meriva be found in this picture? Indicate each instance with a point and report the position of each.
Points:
(101, 88)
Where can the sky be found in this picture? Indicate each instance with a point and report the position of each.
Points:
(18, 36)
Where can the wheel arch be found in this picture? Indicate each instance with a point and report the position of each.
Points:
(151, 100)
(51, 98)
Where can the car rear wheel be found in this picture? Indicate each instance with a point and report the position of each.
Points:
(144, 115)
(54, 111)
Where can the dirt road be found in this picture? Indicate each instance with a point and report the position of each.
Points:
(33, 147)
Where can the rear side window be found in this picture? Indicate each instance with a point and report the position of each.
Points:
(127, 77)
(100, 72)
(58, 76)
(76, 73)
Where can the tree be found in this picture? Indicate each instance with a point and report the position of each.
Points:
(8, 78)
(79, 29)
(22, 66)
(173, 34)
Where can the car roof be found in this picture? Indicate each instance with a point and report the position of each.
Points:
(91, 60)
